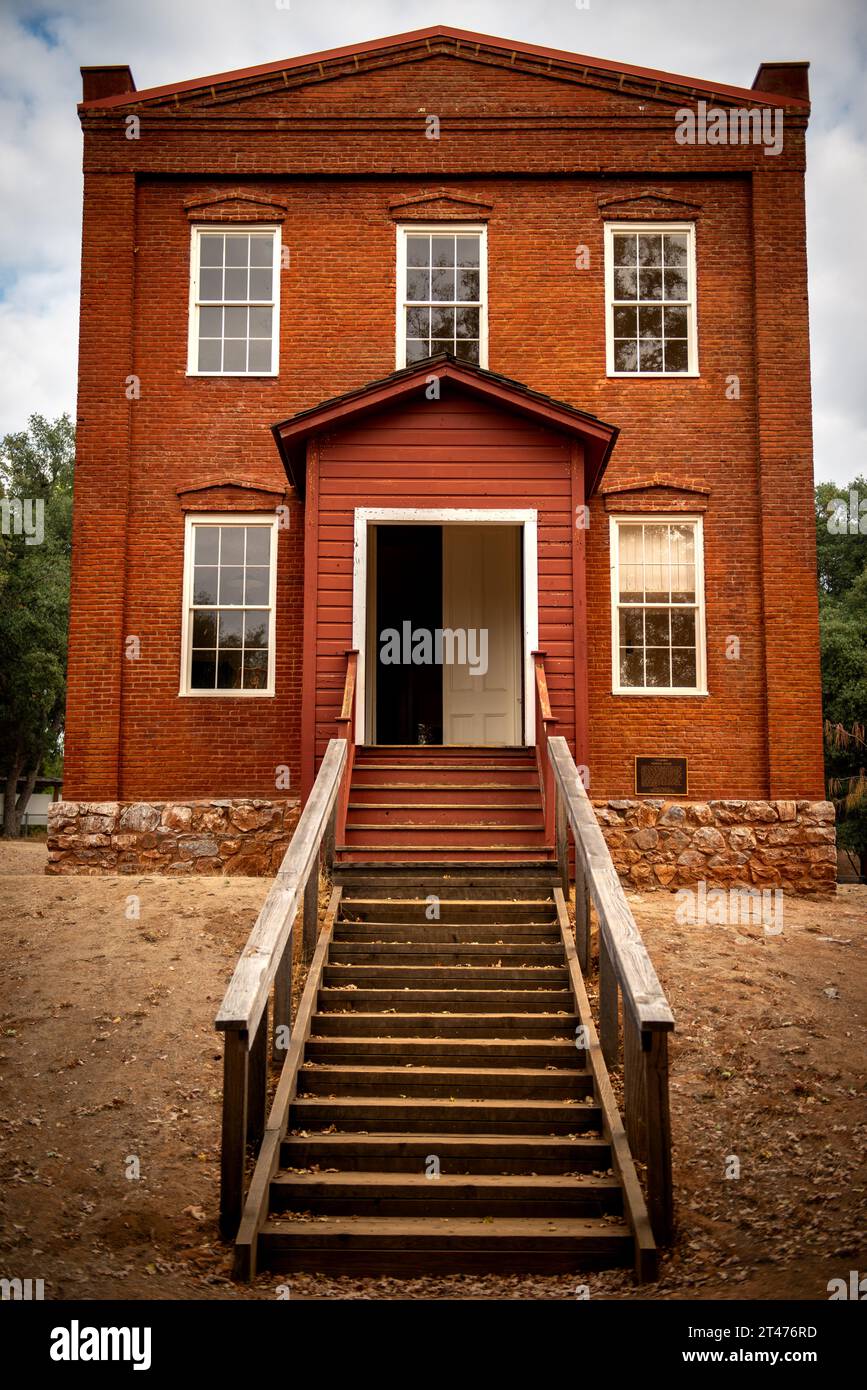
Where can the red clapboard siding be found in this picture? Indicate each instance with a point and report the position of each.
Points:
(455, 453)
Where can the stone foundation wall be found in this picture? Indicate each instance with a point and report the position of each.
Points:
(654, 843)
(175, 837)
(752, 844)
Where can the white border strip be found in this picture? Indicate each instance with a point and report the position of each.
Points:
(526, 518)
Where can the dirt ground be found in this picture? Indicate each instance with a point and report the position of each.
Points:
(110, 1075)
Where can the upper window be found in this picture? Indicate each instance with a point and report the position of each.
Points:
(234, 301)
(229, 590)
(657, 599)
(650, 299)
(442, 289)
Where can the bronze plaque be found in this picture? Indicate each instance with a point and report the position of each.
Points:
(660, 777)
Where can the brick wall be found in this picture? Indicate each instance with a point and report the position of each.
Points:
(547, 161)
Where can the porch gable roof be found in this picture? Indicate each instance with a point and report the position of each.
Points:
(291, 436)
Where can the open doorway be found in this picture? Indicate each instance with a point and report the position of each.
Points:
(446, 633)
(408, 589)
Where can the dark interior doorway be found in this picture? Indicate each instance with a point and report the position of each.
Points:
(409, 590)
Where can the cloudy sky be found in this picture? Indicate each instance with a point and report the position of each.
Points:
(43, 45)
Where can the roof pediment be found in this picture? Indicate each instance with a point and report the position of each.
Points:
(292, 435)
(617, 86)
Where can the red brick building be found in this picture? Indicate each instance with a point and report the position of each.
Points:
(611, 463)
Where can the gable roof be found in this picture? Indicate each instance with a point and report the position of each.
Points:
(428, 41)
(291, 435)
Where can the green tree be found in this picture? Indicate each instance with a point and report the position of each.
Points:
(36, 468)
(841, 535)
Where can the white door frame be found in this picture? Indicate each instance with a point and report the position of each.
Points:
(526, 518)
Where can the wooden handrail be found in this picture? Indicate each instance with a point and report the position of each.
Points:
(346, 731)
(545, 725)
(247, 994)
(347, 709)
(256, 1203)
(634, 968)
(625, 970)
(266, 961)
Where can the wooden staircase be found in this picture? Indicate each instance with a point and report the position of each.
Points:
(443, 1117)
(443, 1101)
(444, 805)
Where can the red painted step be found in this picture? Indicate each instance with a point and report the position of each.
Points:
(425, 805)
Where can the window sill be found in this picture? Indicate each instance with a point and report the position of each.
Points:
(226, 694)
(643, 691)
(655, 376)
(217, 376)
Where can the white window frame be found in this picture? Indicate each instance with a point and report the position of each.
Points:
(194, 519)
(611, 228)
(479, 229)
(196, 233)
(659, 518)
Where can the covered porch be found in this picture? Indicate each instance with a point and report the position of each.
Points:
(445, 527)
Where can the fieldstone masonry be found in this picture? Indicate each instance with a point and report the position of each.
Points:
(654, 843)
(753, 844)
(176, 837)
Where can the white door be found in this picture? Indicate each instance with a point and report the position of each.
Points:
(481, 598)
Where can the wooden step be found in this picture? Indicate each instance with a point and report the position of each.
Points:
(414, 1114)
(474, 1153)
(511, 1026)
(411, 848)
(435, 1051)
(444, 750)
(449, 1194)
(434, 855)
(532, 934)
(503, 1083)
(471, 977)
(459, 910)
(433, 1001)
(451, 822)
(441, 953)
(460, 775)
(375, 1245)
(401, 793)
(477, 813)
(534, 878)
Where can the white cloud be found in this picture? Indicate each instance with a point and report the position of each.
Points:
(164, 41)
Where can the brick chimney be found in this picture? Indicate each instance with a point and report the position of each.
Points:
(783, 80)
(106, 82)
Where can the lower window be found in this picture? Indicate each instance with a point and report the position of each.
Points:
(657, 596)
(230, 566)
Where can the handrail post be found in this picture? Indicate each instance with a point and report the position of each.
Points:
(310, 911)
(660, 1186)
(545, 725)
(609, 1023)
(328, 843)
(582, 914)
(561, 838)
(233, 1147)
(282, 1007)
(257, 1084)
(346, 730)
